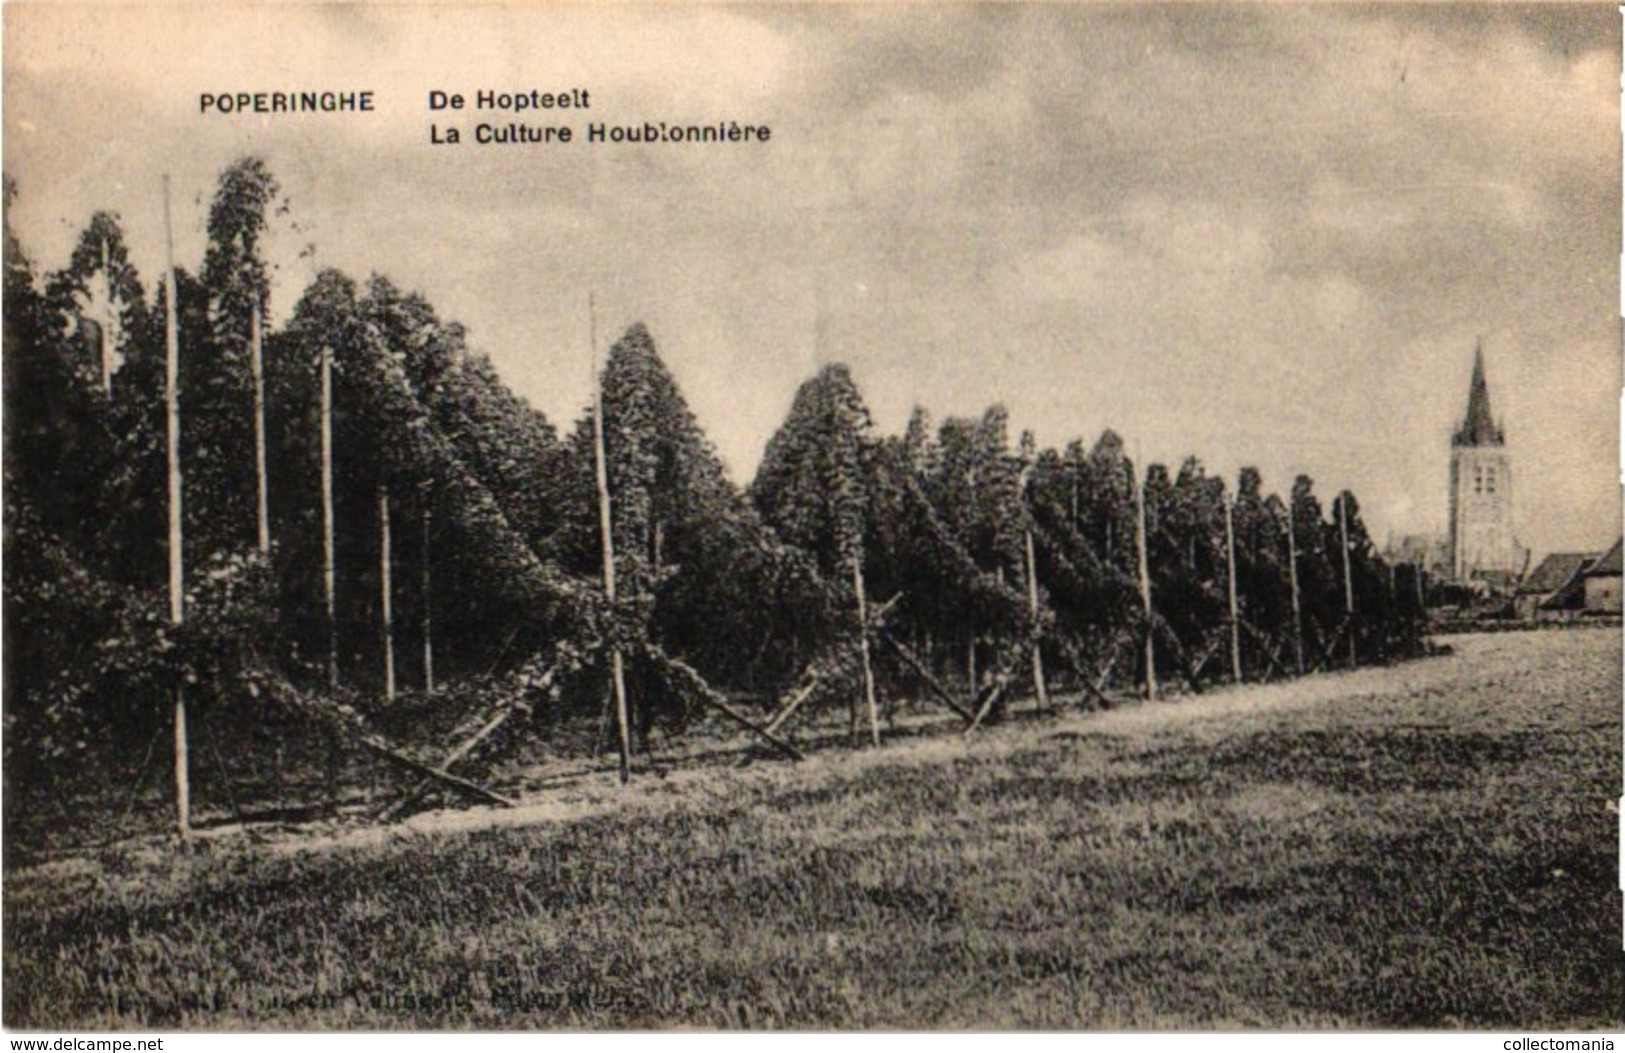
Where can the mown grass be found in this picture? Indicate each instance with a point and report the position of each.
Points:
(1430, 847)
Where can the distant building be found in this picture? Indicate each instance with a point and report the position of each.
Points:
(1593, 588)
(1431, 552)
(1554, 585)
(1602, 581)
(1482, 546)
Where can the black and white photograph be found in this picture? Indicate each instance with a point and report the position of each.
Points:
(812, 517)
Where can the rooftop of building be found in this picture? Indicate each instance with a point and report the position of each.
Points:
(1555, 571)
(1478, 427)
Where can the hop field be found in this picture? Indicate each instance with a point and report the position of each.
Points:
(1427, 845)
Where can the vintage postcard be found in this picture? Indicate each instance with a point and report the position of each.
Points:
(807, 517)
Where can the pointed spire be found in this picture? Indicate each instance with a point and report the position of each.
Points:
(1478, 427)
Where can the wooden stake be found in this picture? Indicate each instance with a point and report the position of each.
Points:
(341, 721)
(986, 707)
(385, 593)
(863, 649)
(1292, 574)
(379, 746)
(688, 680)
(932, 684)
(1230, 576)
(483, 731)
(1098, 686)
(1001, 680)
(1040, 689)
(183, 779)
(1073, 466)
(789, 708)
(606, 529)
(817, 671)
(329, 597)
(177, 595)
(1348, 573)
(428, 638)
(1145, 586)
(172, 413)
(108, 314)
(257, 354)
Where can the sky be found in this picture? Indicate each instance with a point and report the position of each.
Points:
(1264, 235)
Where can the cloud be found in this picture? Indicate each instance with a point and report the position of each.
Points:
(1261, 233)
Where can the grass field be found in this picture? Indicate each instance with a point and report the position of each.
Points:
(1429, 845)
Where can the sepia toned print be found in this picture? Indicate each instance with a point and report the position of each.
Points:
(1085, 517)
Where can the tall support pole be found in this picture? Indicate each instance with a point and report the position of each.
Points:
(1040, 688)
(1297, 603)
(386, 599)
(601, 464)
(109, 312)
(1230, 578)
(256, 349)
(1073, 472)
(1145, 585)
(177, 595)
(863, 647)
(1348, 573)
(1393, 587)
(425, 582)
(329, 590)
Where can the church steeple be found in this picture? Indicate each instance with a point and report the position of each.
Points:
(1478, 428)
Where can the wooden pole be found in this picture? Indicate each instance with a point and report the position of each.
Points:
(1074, 474)
(789, 708)
(428, 636)
(476, 737)
(340, 721)
(329, 558)
(108, 314)
(863, 649)
(1230, 576)
(1145, 585)
(385, 592)
(1040, 688)
(1292, 574)
(601, 464)
(329, 590)
(177, 595)
(935, 686)
(1348, 574)
(257, 354)
(986, 707)
(686, 679)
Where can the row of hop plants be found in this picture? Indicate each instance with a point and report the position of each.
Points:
(371, 513)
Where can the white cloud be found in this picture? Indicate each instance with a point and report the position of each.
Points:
(1264, 234)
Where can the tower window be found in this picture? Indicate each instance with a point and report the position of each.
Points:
(1489, 481)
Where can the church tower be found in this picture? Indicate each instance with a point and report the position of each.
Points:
(1481, 541)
